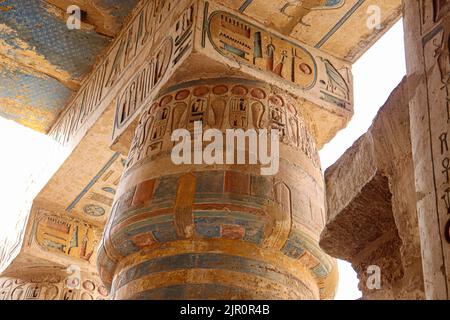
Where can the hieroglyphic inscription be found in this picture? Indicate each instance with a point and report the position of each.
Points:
(298, 66)
(136, 36)
(219, 106)
(437, 54)
(66, 236)
(140, 34)
(427, 49)
(142, 87)
(51, 286)
(237, 39)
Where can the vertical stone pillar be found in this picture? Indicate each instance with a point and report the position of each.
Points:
(427, 31)
(218, 231)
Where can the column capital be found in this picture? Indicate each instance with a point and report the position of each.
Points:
(210, 40)
(162, 45)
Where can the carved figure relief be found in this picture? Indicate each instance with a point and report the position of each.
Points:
(197, 111)
(238, 113)
(443, 59)
(141, 86)
(104, 78)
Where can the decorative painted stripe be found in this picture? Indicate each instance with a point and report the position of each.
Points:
(226, 246)
(245, 5)
(244, 287)
(161, 232)
(212, 82)
(298, 242)
(205, 261)
(340, 23)
(192, 291)
(259, 287)
(320, 271)
(248, 216)
(218, 216)
(183, 217)
(132, 216)
(152, 210)
(140, 215)
(230, 199)
(209, 225)
(93, 181)
(105, 266)
(229, 227)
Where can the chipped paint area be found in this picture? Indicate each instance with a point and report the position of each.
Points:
(27, 56)
(70, 52)
(29, 98)
(28, 116)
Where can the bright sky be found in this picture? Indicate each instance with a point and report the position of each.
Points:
(376, 74)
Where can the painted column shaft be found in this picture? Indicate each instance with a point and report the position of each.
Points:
(218, 231)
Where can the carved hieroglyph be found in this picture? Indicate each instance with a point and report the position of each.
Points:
(154, 45)
(135, 43)
(65, 237)
(51, 283)
(220, 106)
(235, 41)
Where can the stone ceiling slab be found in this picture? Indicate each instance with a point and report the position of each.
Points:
(339, 27)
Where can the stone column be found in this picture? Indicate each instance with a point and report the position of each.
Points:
(218, 231)
(427, 31)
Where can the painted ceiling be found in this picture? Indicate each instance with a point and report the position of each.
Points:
(42, 63)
